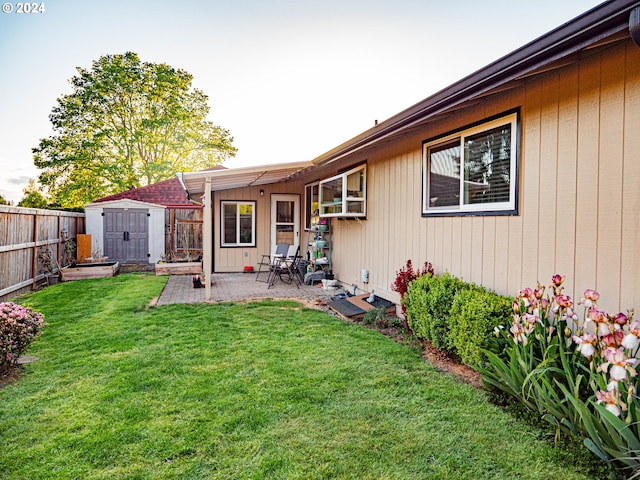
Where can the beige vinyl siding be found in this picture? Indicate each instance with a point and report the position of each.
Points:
(579, 194)
(611, 147)
(630, 249)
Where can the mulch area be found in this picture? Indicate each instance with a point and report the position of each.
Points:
(446, 362)
(9, 375)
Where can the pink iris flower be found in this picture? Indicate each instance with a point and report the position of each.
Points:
(525, 293)
(586, 344)
(621, 319)
(632, 339)
(610, 398)
(589, 298)
(619, 363)
(614, 339)
(519, 333)
(601, 321)
(564, 301)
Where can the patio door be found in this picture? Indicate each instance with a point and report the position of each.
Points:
(285, 221)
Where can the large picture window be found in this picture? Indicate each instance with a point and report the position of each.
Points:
(238, 224)
(473, 170)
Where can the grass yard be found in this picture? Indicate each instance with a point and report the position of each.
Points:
(263, 390)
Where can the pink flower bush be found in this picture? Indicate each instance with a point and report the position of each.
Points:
(609, 342)
(19, 326)
(579, 374)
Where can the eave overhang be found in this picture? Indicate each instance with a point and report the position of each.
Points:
(194, 182)
(578, 34)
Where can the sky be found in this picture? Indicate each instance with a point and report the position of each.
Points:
(290, 79)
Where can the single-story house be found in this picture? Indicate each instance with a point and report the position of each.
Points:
(525, 168)
(143, 225)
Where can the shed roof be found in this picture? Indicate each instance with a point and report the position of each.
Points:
(167, 192)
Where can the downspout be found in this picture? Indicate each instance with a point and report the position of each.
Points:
(634, 25)
(207, 244)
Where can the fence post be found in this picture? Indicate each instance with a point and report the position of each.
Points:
(34, 260)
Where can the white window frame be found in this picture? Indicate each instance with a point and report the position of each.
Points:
(238, 203)
(498, 208)
(308, 214)
(330, 204)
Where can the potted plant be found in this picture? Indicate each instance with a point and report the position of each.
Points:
(47, 260)
(69, 249)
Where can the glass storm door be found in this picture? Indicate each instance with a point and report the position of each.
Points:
(285, 221)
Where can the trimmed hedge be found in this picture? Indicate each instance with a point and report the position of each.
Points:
(454, 315)
(415, 304)
(474, 314)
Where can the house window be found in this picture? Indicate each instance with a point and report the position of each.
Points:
(238, 224)
(345, 195)
(311, 203)
(473, 170)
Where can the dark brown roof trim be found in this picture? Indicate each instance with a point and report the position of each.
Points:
(593, 26)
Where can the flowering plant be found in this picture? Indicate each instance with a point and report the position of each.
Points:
(406, 275)
(19, 326)
(578, 374)
(401, 283)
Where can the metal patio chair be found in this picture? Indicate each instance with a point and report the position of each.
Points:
(269, 261)
(286, 269)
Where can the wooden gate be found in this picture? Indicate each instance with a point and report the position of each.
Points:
(183, 236)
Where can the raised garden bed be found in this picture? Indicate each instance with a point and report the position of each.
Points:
(79, 271)
(178, 268)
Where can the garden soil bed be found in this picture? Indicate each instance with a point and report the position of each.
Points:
(179, 268)
(81, 271)
(446, 362)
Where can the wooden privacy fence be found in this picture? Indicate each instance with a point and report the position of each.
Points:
(23, 233)
(183, 231)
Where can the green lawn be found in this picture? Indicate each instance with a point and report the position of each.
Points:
(262, 390)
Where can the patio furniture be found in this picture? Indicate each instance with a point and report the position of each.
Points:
(286, 270)
(269, 261)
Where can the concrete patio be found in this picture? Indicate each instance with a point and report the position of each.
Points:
(230, 287)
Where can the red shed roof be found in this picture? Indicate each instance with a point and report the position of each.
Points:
(168, 193)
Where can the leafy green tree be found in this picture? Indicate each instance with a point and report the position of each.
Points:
(33, 198)
(127, 123)
(3, 201)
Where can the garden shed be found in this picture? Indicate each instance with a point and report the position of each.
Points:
(145, 224)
